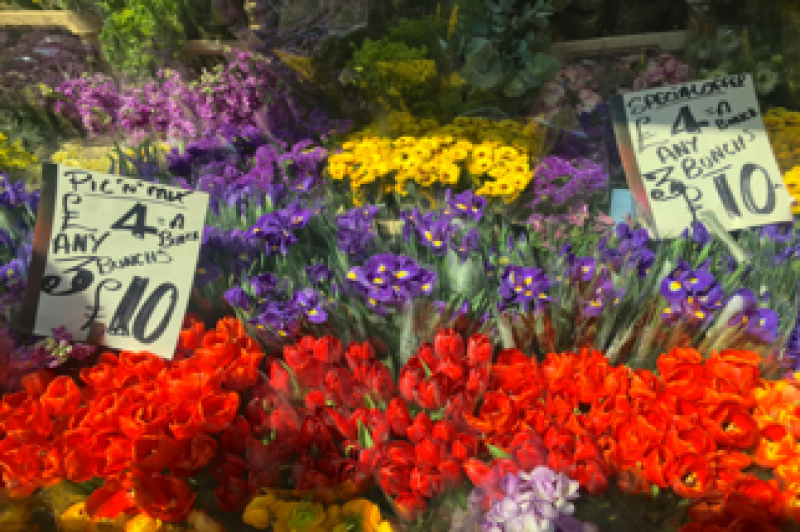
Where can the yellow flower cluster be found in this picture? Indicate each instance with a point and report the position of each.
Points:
(359, 515)
(414, 71)
(13, 156)
(497, 156)
(783, 129)
(792, 180)
(75, 519)
(73, 156)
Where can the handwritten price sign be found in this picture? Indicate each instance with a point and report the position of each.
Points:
(700, 146)
(116, 251)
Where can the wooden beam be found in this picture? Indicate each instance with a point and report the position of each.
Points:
(80, 25)
(669, 41)
(210, 47)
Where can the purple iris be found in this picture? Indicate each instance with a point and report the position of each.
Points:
(523, 285)
(237, 298)
(583, 268)
(263, 284)
(318, 274)
(760, 322)
(435, 232)
(354, 233)
(469, 242)
(310, 301)
(387, 281)
(700, 234)
(466, 205)
(604, 295)
(779, 233)
(276, 228)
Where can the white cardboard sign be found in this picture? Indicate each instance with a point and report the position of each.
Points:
(117, 251)
(700, 146)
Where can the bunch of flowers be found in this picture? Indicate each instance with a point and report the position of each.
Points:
(293, 419)
(536, 500)
(576, 86)
(136, 417)
(783, 129)
(660, 71)
(616, 302)
(13, 155)
(492, 158)
(586, 229)
(304, 516)
(681, 430)
(559, 182)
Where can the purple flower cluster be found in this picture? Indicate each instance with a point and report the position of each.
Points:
(631, 251)
(234, 249)
(590, 278)
(243, 93)
(539, 500)
(17, 360)
(559, 182)
(433, 229)
(276, 228)
(388, 281)
(692, 294)
(760, 322)
(354, 232)
(466, 205)
(440, 230)
(525, 286)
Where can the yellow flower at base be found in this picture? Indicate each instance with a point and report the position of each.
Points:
(366, 514)
(260, 512)
(143, 523)
(305, 517)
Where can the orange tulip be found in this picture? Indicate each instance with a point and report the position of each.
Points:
(776, 446)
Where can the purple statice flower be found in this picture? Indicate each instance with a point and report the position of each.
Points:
(388, 281)
(523, 285)
(354, 234)
(276, 228)
(560, 182)
(466, 205)
(538, 501)
(51, 352)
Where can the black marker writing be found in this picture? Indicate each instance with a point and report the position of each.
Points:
(78, 244)
(67, 215)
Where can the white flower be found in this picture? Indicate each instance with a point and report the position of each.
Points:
(765, 80)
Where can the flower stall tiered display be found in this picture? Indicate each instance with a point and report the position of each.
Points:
(422, 321)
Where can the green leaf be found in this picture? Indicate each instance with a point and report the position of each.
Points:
(364, 437)
(497, 452)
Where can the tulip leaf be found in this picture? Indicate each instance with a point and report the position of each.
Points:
(497, 452)
(364, 437)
